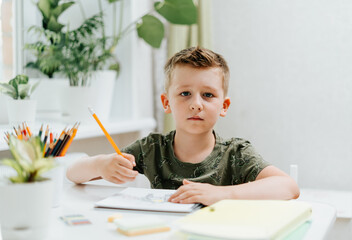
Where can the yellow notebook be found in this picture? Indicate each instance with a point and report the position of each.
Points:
(246, 219)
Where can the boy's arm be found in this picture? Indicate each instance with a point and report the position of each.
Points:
(112, 167)
(271, 183)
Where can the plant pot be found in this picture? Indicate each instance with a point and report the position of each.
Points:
(48, 94)
(56, 174)
(3, 109)
(19, 111)
(75, 102)
(25, 209)
(103, 83)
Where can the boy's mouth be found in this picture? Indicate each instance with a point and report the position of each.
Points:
(195, 118)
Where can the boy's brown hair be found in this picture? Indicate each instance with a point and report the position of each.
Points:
(198, 58)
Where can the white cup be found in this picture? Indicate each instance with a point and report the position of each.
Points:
(57, 176)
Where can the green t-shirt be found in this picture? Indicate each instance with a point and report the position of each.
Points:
(231, 162)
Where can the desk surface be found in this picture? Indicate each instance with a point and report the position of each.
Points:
(80, 199)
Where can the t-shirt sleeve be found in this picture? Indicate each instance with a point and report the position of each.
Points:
(135, 149)
(248, 163)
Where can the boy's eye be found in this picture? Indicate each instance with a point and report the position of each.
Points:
(185, 94)
(208, 95)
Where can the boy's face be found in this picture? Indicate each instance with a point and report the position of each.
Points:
(196, 98)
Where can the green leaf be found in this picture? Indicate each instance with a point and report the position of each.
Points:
(18, 179)
(61, 8)
(43, 165)
(22, 79)
(37, 146)
(177, 11)
(151, 30)
(53, 25)
(23, 90)
(44, 7)
(23, 153)
(8, 90)
(112, 1)
(12, 163)
(54, 3)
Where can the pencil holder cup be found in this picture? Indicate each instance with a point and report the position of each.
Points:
(20, 111)
(57, 176)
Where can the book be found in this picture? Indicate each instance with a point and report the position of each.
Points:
(145, 199)
(246, 219)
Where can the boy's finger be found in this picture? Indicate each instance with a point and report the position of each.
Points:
(127, 172)
(185, 181)
(130, 158)
(125, 162)
(179, 191)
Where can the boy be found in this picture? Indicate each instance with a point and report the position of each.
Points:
(193, 159)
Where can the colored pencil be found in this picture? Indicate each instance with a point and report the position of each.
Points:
(57, 145)
(69, 141)
(40, 131)
(63, 143)
(28, 130)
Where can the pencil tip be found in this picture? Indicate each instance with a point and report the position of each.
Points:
(91, 110)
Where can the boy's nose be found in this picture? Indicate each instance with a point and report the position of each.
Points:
(196, 105)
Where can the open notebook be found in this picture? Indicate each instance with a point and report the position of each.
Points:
(145, 199)
(246, 219)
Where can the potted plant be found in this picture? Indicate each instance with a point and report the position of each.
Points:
(26, 198)
(87, 50)
(149, 27)
(46, 53)
(20, 107)
(48, 48)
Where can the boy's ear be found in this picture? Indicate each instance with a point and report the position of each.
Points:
(225, 106)
(165, 102)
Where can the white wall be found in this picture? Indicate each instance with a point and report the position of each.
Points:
(291, 83)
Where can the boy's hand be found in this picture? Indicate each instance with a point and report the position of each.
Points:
(117, 169)
(193, 192)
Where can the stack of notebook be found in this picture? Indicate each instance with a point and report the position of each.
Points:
(247, 219)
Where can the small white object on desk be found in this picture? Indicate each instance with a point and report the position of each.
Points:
(341, 200)
(140, 226)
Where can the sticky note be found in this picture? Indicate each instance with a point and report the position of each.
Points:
(76, 219)
(113, 217)
(139, 226)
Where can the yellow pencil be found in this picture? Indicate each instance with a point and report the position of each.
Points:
(107, 135)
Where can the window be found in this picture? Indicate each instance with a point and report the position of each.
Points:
(6, 40)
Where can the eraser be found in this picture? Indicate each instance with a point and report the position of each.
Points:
(115, 216)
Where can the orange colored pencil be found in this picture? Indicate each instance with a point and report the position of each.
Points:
(69, 141)
(28, 130)
(107, 135)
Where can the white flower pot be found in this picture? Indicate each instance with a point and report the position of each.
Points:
(103, 82)
(75, 102)
(25, 209)
(48, 94)
(21, 110)
(3, 109)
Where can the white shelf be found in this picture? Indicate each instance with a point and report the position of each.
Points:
(90, 130)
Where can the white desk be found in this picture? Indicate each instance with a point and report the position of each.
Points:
(80, 199)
